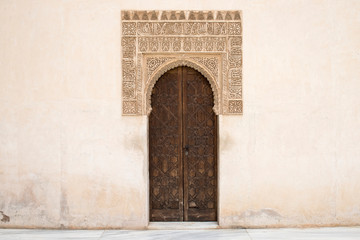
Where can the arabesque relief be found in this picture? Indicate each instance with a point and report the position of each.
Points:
(154, 42)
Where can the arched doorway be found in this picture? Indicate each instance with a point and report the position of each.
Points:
(183, 148)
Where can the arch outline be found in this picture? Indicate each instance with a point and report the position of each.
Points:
(179, 63)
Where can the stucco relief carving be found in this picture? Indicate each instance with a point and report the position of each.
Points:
(154, 42)
(167, 63)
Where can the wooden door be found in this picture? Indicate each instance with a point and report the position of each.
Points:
(182, 148)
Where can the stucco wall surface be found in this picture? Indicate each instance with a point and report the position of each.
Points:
(69, 159)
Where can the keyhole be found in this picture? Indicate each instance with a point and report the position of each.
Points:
(186, 148)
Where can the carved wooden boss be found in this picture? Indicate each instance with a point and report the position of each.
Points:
(154, 42)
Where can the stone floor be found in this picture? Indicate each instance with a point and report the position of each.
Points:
(340, 233)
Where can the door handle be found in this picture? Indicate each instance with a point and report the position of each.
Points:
(186, 149)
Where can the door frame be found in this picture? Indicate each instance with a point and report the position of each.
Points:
(147, 175)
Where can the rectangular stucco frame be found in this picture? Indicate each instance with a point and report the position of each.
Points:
(156, 41)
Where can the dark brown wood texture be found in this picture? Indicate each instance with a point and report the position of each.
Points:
(182, 148)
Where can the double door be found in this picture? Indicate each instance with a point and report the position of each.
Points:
(182, 148)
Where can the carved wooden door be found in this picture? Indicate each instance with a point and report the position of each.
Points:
(182, 148)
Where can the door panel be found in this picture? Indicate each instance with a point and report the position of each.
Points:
(182, 148)
(165, 149)
(199, 134)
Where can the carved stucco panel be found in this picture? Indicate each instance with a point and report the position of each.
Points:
(154, 42)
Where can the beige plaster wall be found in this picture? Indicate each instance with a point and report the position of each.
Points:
(69, 159)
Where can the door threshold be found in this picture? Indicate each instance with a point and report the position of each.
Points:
(182, 225)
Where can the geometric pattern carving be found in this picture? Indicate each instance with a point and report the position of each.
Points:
(154, 42)
(200, 129)
(165, 147)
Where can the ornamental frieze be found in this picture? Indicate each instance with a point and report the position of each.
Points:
(153, 42)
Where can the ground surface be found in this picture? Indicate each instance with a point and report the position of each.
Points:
(211, 234)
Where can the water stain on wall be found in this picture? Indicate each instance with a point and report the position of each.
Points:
(135, 143)
(226, 142)
(5, 218)
(262, 213)
(64, 207)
